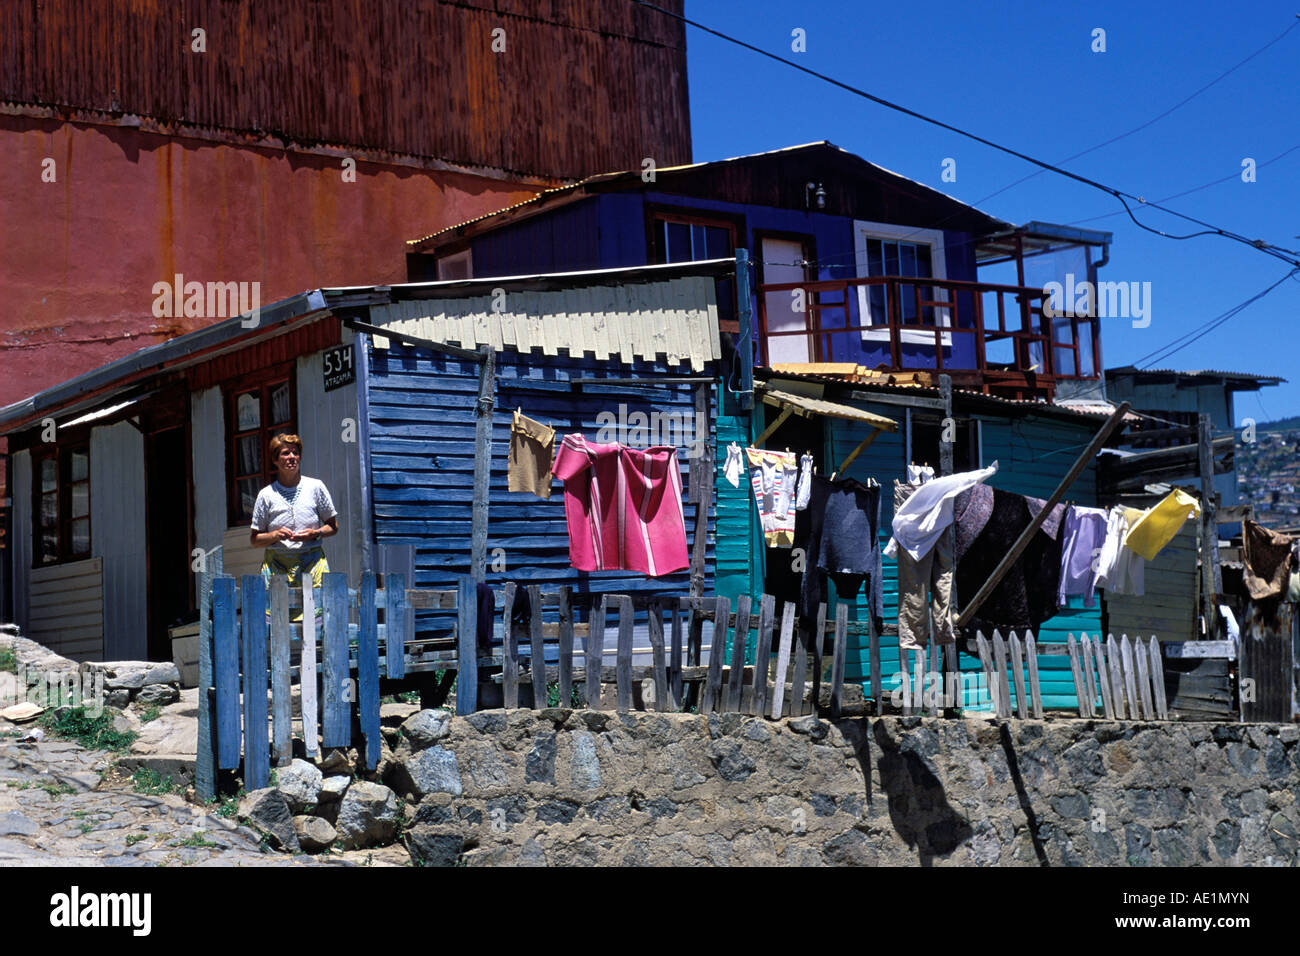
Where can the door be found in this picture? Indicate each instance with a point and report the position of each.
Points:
(783, 261)
(168, 537)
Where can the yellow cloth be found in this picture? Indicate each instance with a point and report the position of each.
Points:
(310, 562)
(1157, 527)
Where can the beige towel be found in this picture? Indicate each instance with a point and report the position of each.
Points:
(532, 449)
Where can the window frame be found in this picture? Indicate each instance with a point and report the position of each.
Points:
(61, 454)
(888, 232)
(264, 384)
(665, 214)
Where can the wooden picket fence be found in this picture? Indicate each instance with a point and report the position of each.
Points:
(1127, 677)
(252, 642)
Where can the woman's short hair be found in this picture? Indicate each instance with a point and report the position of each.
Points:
(285, 441)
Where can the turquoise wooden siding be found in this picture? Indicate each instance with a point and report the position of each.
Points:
(738, 534)
(421, 421)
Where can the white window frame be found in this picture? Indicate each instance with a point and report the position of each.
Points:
(464, 256)
(864, 230)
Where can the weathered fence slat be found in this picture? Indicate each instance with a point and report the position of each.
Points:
(918, 680)
(624, 653)
(1103, 679)
(337, 717)
(783, 659)
(986, 662)
(877, 679)
(675, 657)
(225, 656)
(1004, 688)
(934, 701)
(837, 663)
(694, 652)
(205, 759)
(467, 646)
(595, 651)
(1130, 677)
(281, 728)
(1018, 672)
(257, 763)
(509, 648)
(1035, 688)
(566, 646)
(656, 627)
(368, 668)
(798, 669)
(762, 654)
(736, 679)
(307, 672)
(717, 651)
(537, 648)
(1158, 678)
(1140, 660)
(819, 647)
(952, 672)
(1116, 677)
(396, 614)
(1086, 660)
(1077, 673)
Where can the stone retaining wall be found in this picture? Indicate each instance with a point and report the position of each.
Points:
(566, 787)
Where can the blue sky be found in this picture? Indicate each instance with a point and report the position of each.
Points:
(1025, 75)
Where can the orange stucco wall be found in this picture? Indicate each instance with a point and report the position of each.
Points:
(79, 256)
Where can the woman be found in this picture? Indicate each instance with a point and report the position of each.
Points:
(291, 517)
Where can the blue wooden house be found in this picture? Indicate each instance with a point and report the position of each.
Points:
(125, 479)
(858, 287)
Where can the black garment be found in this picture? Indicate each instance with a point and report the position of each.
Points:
(486, 615)
(844, 518)
(1027, 594)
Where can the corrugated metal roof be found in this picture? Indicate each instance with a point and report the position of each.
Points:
(1245, 378)
(675, 318)
(633, 179)
(804, 404)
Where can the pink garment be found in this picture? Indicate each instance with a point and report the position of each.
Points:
(624, 507)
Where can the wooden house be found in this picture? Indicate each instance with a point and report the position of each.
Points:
(126, 478)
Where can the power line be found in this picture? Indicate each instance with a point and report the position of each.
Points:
(1122, 196)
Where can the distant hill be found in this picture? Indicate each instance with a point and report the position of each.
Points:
(1281, 425)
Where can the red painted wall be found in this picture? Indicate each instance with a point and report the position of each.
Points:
(79, 256)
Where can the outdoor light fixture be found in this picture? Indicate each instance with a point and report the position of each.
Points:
(814, 192)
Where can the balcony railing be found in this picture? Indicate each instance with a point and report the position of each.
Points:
(986, 336)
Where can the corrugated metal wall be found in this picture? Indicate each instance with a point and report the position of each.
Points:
(421, 419)
(331, 452)
(118, 534)
(582, 86)
(739, 537)
(1169, 607)
(20, 553)
(208, 452)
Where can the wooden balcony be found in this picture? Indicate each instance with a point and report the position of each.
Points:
(991, 338)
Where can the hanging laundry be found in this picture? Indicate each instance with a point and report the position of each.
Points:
(774, 478)
(532, 447)
(1120, 570)
(927, 513)
(1268, 559)
(734, 466)
(919, 474)
(1027, 593)
(805, 482)
(623, 507)
(838, 534)
(925, 595)
(1157, 527)
(1084, 538)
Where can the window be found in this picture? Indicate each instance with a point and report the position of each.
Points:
(458, 265)
(681, 237)
(888, 250)
(62, 512)
(256, 415)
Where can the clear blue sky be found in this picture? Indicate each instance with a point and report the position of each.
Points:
(1024, 75)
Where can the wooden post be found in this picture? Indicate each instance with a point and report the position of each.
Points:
(595, 657)
(205, 760)
(225, 671)
(703, 472)
(281, 732)
(1076, 671)
(537, 649)
(1086, 661)
(655, 614)
(623, 661)
(763, 653)
(368, 667)
(1035, 689)
(487, 384)
(509, 649)
(307, 671)
(1018, 672)
(1027, 535)
(566, 646)
(946, 449)
(467, 643)
(717, 651)
(1103, 679)
(336, 722)
(1211, 573)
(783, 659)
(736, 679)
(257, 764)
(837, 662)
